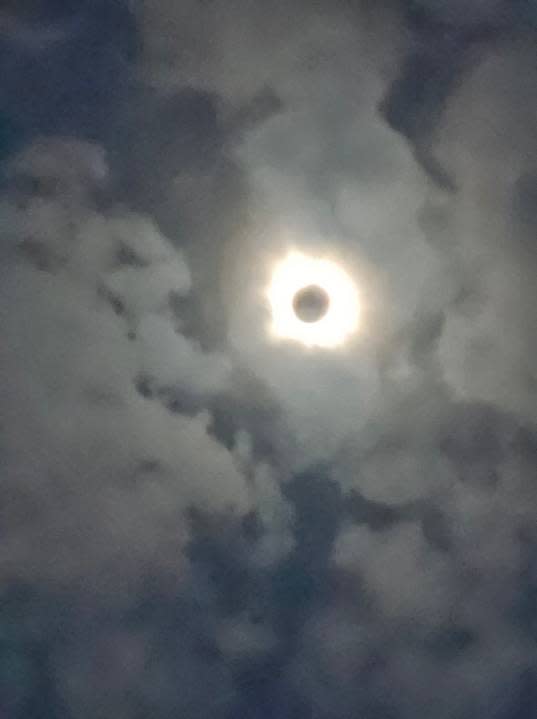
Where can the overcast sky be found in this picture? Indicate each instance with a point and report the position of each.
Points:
(196, 521)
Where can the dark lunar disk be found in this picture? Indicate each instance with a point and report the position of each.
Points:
(311, 303)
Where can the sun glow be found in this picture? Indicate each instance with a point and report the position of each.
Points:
(342, 316)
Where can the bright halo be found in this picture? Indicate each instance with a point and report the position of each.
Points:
(342, 316)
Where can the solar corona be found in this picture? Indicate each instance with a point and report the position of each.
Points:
(313, 301)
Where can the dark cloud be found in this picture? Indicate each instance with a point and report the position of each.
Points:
(197, 521)
(75, 60)
(447, 40)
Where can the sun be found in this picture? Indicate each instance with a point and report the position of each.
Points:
(313, 301)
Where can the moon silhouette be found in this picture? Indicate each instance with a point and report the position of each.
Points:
(311, 303)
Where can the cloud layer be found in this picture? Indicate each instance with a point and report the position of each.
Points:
(197, 521)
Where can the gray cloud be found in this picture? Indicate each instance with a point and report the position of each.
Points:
(197, 521)
(86, 327)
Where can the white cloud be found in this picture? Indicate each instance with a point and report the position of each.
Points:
(96, 478)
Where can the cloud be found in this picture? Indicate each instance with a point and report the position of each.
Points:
(200, 522)
(76, 61)
(496, 150)
(82, 318)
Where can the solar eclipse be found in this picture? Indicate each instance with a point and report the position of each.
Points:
(313, 301)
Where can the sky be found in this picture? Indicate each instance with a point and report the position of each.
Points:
(198, 521)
